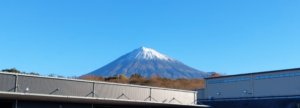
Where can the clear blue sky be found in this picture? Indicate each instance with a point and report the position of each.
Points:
(74, 37)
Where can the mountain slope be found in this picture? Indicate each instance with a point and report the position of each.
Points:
(146, 61)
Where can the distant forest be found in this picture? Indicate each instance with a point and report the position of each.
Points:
(137, 79)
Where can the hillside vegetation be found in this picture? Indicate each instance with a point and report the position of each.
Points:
(137, 79)
(154, 80)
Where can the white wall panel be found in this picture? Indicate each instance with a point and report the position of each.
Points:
(167, 95)
(114, 91)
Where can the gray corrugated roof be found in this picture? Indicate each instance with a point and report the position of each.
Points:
(110, 83)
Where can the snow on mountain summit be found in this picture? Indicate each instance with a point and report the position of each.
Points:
(146, 61)
(147, 54)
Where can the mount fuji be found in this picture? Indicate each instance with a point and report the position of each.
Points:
(146, 61)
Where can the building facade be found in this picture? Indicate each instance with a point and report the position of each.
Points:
(270, 83)
(29, 91)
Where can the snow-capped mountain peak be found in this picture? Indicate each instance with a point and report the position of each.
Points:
(146, 61)
(147, 54)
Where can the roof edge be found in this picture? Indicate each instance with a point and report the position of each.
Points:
(255, 73)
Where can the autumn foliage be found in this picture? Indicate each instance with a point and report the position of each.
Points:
(215, 75)
(154, 80)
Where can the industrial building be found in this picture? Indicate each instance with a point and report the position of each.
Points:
(30, 91)
(275, 83)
